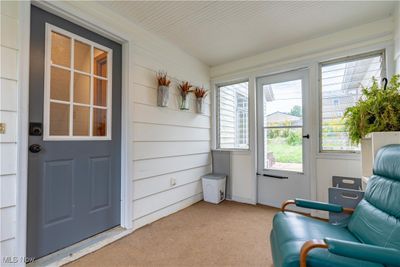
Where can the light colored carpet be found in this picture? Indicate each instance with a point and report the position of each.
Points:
(228, 234)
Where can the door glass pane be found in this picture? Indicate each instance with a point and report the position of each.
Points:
(59, 119)
(100, 92)
(283, 104)
(81, 88)
(60, 49)
(283, 149)
(100, 63)
(81, 121)
(283, 121)
(59, 84)
(82, 57)
(99, 122)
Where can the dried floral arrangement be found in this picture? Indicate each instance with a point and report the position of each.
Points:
(200, 92)
(184, 87)
(163, 79)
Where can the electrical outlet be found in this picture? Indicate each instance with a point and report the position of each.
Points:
(173, 181)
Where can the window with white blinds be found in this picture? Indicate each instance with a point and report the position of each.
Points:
(341, 83)
(233, 116)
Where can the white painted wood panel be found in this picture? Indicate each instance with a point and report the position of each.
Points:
(7, 248)
(10, 119)
(9, 42)
(154, 167)
(159, 201)
(8, 95)
(153, 132)
(7, 228)
(9, 8)
(159, 115)
(9, 31)
(8, 63)
(151, 150)
(8, 159)
(7, 190)
(157, 184)
(167, 211)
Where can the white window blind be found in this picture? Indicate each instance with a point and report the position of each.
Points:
(232, 116)
(341, 84)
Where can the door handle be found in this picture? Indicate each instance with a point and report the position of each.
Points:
(35, 148)
(306, 136)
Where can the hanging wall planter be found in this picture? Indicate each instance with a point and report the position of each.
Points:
(162, 96)
(163, 89)
(185, 102)
(184, 89)
(200, 94)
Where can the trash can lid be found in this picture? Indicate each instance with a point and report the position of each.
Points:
(214, 176)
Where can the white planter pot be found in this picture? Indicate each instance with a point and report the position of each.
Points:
(162, 96)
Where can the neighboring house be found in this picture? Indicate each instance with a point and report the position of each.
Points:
(233, 116)
(280, 118)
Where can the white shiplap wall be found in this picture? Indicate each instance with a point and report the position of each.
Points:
(8, 115)
(167, 144)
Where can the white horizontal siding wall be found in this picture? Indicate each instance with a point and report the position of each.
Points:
(8, 115)
(167, 143)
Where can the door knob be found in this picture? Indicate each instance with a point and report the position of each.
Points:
(306, 136)
(35, 148)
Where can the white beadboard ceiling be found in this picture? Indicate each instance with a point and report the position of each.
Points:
(217, 32)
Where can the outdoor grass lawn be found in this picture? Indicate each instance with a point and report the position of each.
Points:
(284, 152)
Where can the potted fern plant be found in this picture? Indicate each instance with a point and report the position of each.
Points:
(163, 89)
(378, 110)
(185, 88)
(200, 94)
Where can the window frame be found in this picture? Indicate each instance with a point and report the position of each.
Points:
(380, 52)
(217, 115)
(47, 77)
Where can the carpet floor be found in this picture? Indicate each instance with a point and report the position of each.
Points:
(228, 234)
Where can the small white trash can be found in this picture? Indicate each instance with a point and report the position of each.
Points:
(214, 187)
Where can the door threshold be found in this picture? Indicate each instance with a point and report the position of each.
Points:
(82, 248)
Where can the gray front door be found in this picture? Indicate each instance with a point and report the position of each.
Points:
(74, 136)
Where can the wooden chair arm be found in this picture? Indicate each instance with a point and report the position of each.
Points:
(309, 245)
(286, 203)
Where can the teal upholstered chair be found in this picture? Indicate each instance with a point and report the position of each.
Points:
(371, 238)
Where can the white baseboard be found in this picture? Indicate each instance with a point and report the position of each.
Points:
(166, 211)
(243, 200)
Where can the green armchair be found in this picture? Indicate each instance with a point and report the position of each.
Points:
(371, 238)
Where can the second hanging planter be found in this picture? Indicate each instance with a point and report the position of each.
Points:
(185, 89)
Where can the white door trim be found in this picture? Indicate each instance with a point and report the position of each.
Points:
(302, 73)
(63, 10)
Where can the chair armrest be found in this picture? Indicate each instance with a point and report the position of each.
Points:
(316, 205)
(382, 255)
(365, 252)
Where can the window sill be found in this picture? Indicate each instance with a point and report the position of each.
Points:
(338, 156)
(234, 150)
